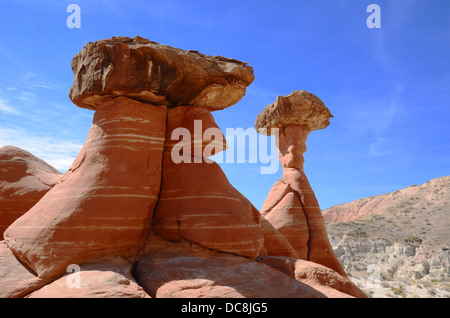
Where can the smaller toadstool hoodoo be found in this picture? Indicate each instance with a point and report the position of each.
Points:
(291, 205)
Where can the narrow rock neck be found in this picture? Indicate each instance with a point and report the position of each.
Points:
(291, 145)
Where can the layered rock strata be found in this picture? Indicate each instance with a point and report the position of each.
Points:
(291, 205)
(24, 180)
(108, 277)
(143, 212)
(105, 202)
(103, 205)
(197, 203)
(180, 273)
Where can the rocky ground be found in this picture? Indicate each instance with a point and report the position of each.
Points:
(396, 244)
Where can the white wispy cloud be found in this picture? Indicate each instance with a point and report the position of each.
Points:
(6, 108)
(47, 86)
(372, 120)
(58, 152)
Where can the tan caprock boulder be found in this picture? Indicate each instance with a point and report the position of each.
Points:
(156, 74)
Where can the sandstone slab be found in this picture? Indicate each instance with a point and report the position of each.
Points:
(275, 243)
(109, 277)
(16, 280)
(24, 180)
(156, 74)
(177, 274)
(290, 221)
(324, 279)
(197, 203)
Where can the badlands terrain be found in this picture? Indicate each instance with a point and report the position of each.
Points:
(396, 244)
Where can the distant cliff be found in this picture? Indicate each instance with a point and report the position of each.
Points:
(401, 237)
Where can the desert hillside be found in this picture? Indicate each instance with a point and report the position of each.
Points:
(403, 237)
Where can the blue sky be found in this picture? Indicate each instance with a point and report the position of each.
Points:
(388, 88)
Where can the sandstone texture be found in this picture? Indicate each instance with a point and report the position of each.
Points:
(291, 206)
(24, 180)
(290, 221)
(275, 243)
(198, 204)
(180, 274)
(300, 108)
(156, 74)
(192, 135)
(315, 275)
(109, 277)
(144, 212)
(103, 205)
(16, 280)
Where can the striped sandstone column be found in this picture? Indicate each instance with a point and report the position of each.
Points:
(197, 203)
(319, 247)
(104, 204)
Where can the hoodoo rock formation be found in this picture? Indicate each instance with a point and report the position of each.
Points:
(24, 180)
(142, 193)
(291, 205)
(105, 202)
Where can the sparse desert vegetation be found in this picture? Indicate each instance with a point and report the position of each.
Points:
(405, 234)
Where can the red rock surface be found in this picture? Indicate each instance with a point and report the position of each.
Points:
(197, 203)
(320, 277)
(16, 280)
(174, 273)
(24, 180)
(290, 221)
(156, 74)
(291, 205)
(109, 277)
(319, 247)
(311, 272)
(183, 228)
(275, 243)
(104, 203)
(192, 134)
